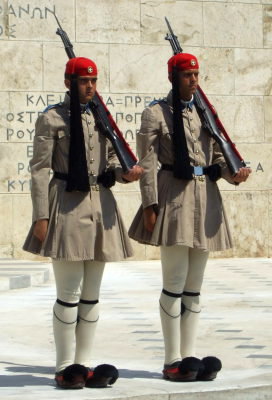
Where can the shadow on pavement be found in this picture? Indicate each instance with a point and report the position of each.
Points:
(24, 375)
(130, 374)
(24, 380)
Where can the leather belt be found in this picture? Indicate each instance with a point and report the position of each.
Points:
(213, 171)
(196, 171)
(64, 177)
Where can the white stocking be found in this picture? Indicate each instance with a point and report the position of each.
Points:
(88, 311)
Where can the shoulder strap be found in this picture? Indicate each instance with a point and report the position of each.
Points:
(157, 101)
(51, 106)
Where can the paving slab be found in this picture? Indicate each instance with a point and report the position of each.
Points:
(17, 274)
(235, 325)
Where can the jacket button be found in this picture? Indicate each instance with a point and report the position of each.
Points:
(91, 160)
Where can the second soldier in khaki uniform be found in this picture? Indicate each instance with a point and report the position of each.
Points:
(182, 212)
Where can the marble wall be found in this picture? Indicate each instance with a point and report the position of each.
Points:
(231, 38)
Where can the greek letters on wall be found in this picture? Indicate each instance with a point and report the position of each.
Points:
(17, 130)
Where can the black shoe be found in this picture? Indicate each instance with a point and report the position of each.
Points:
(183, 371)
(102, 376)
(72, 377)
(209, 369)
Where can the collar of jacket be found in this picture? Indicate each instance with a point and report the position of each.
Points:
(84, 107)
(184, 104)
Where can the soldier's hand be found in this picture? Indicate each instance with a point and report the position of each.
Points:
(40, 229)
(242, 175)
(150, 218)
(134, 174)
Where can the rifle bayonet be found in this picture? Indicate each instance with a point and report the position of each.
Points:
(66, 42)
(173, 39)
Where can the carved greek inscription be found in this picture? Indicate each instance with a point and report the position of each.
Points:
(28, 11)
(17, 125)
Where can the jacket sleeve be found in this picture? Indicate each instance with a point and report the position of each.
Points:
(40, 166)
(147, 142)
(113, 163)
(218, 158)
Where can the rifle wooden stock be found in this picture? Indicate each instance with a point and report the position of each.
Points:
(103, 117)
(233, 158)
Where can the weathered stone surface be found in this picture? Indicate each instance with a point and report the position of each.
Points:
(34, 20)
(108, 21)
(19, 111)
(234, 113)
(237, 1)
(6, 251)
(189, 30)
(216, 70)
(250, 232)
(268, 118)
(136, 73)
(22, 215)
(223, 23)
(253, 77)
(152, 252)
(258, 158)
(267, 10)
(14, 174)
(6, 220)
(269, 238)
(55, 59)
(129, 202)
(21, 66)
(144, 69)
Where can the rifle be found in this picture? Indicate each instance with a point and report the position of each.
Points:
(211, 119)
(103, 118)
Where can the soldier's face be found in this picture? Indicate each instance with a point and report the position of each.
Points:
(188, 81)
(86, 88)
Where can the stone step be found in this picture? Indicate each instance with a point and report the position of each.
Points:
(18, 274)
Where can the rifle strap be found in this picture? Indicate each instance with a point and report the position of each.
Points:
(77, 165)
(181, 167)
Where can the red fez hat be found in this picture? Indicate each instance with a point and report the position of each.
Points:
(81, 66)
(183, 62)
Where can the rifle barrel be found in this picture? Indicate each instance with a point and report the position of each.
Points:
(173, 39)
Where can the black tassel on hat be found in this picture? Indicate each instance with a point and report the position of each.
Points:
(181, 167)
(77, 167)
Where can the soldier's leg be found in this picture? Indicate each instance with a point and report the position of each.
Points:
(191, 301)
(174, 260)
(68, 277)
(88, 311)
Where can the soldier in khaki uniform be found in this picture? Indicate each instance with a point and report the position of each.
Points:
(76, 220)
(182, 212)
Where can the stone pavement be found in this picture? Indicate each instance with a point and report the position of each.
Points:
(235, 325)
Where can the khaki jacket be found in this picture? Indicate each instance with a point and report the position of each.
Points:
(190, 213)
(82, 226)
